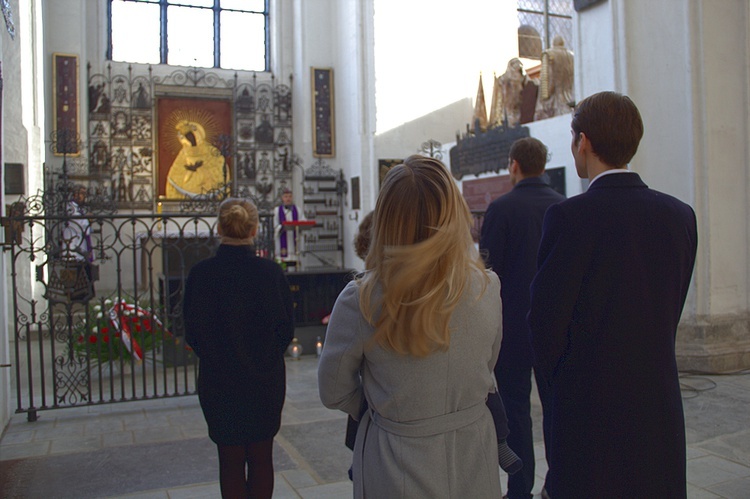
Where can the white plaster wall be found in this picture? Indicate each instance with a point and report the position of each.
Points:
(355, 125)
(441, 125)
(21, 139)
(696, 132)
(314, 37)
(595, 32)
(689, 79)
(722, 160)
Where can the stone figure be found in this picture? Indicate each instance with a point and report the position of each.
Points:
(508, 95)
(556, 88)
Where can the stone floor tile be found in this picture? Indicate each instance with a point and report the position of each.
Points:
(694, 492)
(149, 494)
(695, 452)
(61, 430)
(337, 490)
(117, 439)
(102, 425)
(199, 491)
(735, 447)
(26, 450)
(18, 437)
(194, 432)
(282, 489)
(147, 434)
(733, 489)
(727, 465)
(298, 478)
(65, 445)
(703, 474)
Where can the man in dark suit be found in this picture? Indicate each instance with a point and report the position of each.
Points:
(510, 238)
(615, 264)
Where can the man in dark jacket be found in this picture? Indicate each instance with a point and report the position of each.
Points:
(510, 238)
(615, 265)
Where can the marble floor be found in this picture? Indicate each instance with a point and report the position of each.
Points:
(160, 449)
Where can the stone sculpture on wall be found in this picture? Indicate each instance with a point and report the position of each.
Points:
(556, 86)
(513, 96)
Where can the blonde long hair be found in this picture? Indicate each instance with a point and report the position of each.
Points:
(421, 254)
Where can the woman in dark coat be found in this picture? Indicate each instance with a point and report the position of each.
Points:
(238, 320)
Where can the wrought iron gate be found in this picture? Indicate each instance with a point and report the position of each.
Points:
(97, 319)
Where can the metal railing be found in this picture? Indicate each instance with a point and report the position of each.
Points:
(106, 328)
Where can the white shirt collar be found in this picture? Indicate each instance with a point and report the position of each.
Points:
(609, 172)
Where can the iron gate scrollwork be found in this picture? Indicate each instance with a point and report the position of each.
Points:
(100, 321)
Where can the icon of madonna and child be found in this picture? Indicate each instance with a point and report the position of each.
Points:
(199, 170)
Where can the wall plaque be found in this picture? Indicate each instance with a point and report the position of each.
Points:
(484, 152)
(13, 178)
(324, 131)
(65, 104)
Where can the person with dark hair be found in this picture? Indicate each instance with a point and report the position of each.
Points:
(417, 335)
(615, 264)
(238, 313)
(511, 232)
(362, 239)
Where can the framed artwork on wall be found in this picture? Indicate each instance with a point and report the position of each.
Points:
(323, 125)
(65, 105)
(356, 203)
(189, 163)
(384, 166)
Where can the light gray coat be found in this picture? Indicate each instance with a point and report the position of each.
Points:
(428, 433)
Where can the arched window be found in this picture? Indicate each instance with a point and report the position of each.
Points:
(230, 34)
(539, 22)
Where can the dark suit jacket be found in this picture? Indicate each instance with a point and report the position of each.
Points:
(615, 264)
(511, 232)
(238, 313)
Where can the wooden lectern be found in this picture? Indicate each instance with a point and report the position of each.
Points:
(297, 225)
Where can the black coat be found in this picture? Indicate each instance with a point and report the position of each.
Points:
(238, 314)
(511, 232)
(615, 264)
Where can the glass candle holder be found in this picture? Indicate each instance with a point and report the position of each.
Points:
(318, 346)
(295, 349)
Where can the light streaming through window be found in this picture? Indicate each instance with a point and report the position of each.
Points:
(191, 26)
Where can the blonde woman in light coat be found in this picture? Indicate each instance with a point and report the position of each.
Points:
(417, 335)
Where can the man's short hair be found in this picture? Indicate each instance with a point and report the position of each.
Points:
(613, 125)
(531, 155)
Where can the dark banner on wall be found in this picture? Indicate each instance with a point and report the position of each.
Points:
(65, 104)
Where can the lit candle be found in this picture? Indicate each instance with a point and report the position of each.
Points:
(295, 349)
(318, 346)
(158, 210)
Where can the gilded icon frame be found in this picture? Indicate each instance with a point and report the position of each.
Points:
(215, 114)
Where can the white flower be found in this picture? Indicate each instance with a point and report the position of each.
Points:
(97, 308)
(94, 329)
(99, 315)
(108, 302)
